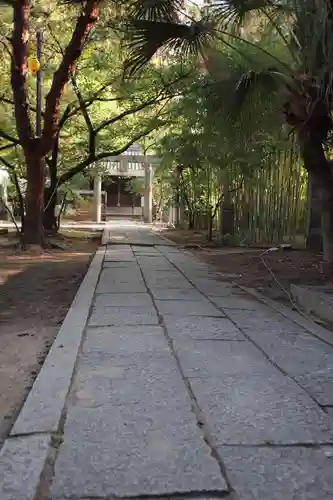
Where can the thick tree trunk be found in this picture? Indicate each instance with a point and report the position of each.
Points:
(319, 168)
(34, 200)
(314, 239)
(327, 224)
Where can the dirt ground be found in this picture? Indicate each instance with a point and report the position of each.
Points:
(35, 294)
(251, 267)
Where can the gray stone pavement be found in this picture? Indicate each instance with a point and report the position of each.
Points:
(185, 386)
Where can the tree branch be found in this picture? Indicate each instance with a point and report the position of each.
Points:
(65, 116)
(10, 101)
(91, 132)
(110, 121)
(157, 98)
(8, 137)
(8, 146)
(6, 163)
(93, 158)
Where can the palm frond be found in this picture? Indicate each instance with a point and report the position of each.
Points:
(156, 10)
(146, 38)
(252, 81)
(235, 12)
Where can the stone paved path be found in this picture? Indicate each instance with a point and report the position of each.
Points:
(185, 385)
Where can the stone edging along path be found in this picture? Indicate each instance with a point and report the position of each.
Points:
(25, 452)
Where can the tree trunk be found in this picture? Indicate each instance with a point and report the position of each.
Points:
(327, 224)
(34, 200)
(319, 167)
(20, 199)
(210, 218)
(190, 220)
(227, 224)
(50, 203)
(314, 239)
(227, 211)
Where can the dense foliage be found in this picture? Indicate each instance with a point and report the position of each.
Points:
(228, 91)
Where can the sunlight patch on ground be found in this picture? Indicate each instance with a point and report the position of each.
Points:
(6, 273)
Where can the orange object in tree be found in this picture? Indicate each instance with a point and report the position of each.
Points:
(33, 64)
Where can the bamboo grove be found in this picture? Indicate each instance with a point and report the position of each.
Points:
(241, 158)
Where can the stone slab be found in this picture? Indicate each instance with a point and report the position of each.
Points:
(113, 287)
(118, 248)
(146, 251)
(120, 275)
(169, 249)
(120, 257)
(169, 283)
(117, 340)
(261, 409)
(306, 323)
(95, 392)
(151, 272)
(176, 294)
(123, 300)
(133, 286)
(234, 301)
(166, 268)
(155, 364)
(187, 308)
(142, 236)
(147, 260)
(118, 316)
(156, 278)
(262, 319)
(219, 360)
(329, 411)
(137, 452)
(319, 384)
(202, 328)
(125, 364)
(295, 352)
(213, 288)
(22, 460)
(280, 473)
(44, 405)
(127, 265)
(145, 388)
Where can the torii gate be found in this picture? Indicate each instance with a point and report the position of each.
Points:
(132, 163)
